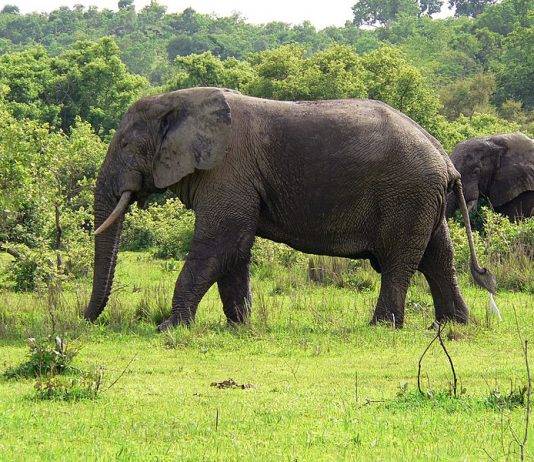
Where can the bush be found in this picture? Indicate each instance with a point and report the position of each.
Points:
(47, 357)
(167, 229)
(506, 248)
(37, 267)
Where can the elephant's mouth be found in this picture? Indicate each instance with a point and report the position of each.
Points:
(471, 205)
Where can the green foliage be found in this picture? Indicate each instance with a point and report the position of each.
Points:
(514, 69)
(286, 73)
(167, 228)
(469, 7)
(393, 80)
(516, 397)
(371, 12)
(269, 253)
(46, 180)
(506, 248)
(478, 124)
(47, 358)
(86, 386)
(89, 81)
(465, 97)
(210, 71)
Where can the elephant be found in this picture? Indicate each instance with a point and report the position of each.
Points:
(500, 168)
(351, 178)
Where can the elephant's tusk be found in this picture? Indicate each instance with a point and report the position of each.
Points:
(119, 209)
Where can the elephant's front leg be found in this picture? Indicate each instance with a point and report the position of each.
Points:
(234, 289)
(219, 252)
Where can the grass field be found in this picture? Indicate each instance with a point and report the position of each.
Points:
(326, 386)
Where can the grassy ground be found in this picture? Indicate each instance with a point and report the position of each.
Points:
(326, 385)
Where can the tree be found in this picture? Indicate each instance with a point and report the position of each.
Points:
(471, 8)
(10, 9)
(94, 84)
(429, 7)
(27, 77)
(468, 96)
(126, 5)
(390, 78)
(372, 12)
(514, 70)
(46, 182)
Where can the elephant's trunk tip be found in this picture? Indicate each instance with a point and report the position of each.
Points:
(119, 209)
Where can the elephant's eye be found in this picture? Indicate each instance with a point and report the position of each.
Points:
(124, 143)
(476, 170)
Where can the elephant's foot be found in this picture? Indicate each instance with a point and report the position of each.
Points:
(387, 318)
(165, 325)
(173, 321)
(237, 315)
(455, 311)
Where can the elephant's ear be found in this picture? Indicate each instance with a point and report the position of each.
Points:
(515, 174)
(194, 134)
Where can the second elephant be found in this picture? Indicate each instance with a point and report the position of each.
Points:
(499, 168)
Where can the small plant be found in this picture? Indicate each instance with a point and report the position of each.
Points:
(516, 397)
(86, 386)
(46, 358)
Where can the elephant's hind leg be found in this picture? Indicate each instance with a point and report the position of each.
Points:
(234, 289)
(393, 287)
(438, 267)
(399, 245)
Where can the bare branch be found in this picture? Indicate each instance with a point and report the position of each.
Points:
(9, 250)
(420, 362)
(122, 373)
(454, 378)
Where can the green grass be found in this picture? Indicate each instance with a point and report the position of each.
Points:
(328, 386)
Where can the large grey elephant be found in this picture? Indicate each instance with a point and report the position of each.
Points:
(500, 168)
(350, 178)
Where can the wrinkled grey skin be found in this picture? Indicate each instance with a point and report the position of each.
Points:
(350, 178)
(500, 168)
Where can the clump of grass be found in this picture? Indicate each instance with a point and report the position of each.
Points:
(516, 397)
(86, 386)
(155, 305)
(341, 272)
(442, 399)
(46, 358)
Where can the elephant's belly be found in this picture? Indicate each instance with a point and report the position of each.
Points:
(316, 239)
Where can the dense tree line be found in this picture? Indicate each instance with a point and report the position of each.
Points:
(67, 77)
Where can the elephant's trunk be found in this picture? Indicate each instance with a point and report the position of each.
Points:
(106, 248)
(482, 276)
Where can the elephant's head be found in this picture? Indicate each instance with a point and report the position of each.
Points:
(498, 167)
(161, 140)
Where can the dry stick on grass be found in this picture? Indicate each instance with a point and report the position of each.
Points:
(440, 339)
(420, 362)
(122, 373)
(454, 378)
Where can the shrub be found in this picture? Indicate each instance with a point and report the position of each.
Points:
(86, 386)
(48, 357)
(506, 248)
(167, 229)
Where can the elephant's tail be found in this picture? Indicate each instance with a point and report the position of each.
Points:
(482, 276)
